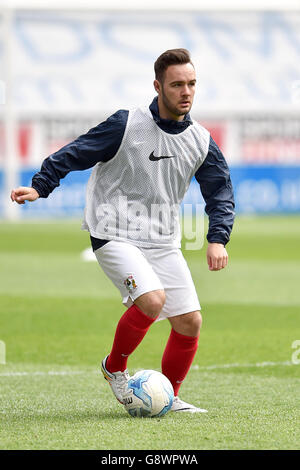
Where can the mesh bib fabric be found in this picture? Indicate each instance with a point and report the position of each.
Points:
(136, 195)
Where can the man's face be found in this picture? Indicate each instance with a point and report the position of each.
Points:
(176, 91)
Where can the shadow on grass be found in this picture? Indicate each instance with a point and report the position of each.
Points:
(78, 416)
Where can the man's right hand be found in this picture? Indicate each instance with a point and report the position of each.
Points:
(22, 194)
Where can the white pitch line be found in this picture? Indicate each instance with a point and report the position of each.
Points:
(195, 367)
(235, 365)
(43, 373)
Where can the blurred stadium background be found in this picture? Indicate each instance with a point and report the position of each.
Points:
(67, 66)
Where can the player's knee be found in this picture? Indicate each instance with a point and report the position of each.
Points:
(151, 303)
(188, 324)
(198, 320)
(194, 323)
(155, 303)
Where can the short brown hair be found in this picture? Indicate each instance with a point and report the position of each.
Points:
(170, 57)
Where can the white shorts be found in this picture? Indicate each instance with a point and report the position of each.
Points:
(137, 270)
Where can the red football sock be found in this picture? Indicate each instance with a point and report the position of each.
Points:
(178, 357)
(131, 329)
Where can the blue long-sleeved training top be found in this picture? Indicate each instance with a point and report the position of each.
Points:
(101, 144)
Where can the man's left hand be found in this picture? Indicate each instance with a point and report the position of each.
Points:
(217, 257)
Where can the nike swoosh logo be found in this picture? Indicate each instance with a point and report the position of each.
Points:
(155, 159)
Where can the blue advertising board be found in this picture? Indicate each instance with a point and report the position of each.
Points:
(258, 189)
(266, 189)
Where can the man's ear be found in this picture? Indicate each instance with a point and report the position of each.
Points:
(156, 86)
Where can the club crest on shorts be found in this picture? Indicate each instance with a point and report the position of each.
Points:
(130, 283)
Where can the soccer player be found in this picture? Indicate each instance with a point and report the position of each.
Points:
(144, 160)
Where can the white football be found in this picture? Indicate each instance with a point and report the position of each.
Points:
(149, 393)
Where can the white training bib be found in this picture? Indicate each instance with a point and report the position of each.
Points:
(136, 195)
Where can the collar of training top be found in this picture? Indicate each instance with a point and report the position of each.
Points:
(169, 124)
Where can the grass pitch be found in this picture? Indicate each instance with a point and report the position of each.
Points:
(57, 319)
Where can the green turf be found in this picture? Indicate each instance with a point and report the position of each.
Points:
(57, 319)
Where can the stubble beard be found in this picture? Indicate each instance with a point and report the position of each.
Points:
(173, 109)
